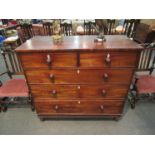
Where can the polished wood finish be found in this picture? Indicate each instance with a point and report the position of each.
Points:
(116, 59)
(73, 43)
(78, 91)
(79, 77)
(70, 107)
(56, 60)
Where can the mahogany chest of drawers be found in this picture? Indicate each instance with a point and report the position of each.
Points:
(79, 78)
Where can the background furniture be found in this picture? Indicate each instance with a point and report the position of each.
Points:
(144, 35)
(47, 26)
(27, 31)
(88, 28)
(79, 78)
(130, 26)
(144, 84)
(66, 28)
(111, 26)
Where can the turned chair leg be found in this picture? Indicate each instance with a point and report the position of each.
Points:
(0, 107)
(4, 104)
(30, 100)
(32, 107)
(133, 98)
(5, 107)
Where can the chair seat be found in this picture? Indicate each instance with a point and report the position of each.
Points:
(146, 84)
(14, 88)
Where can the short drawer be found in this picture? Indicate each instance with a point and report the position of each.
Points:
(79, 76)
(109, 59)
(79, 91)
(48, 60)
(104, 107)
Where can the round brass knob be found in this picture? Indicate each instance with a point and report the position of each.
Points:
(104, 92)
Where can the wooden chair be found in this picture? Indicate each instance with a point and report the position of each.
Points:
(142, 36)
(111, 26)
(27, 31)
(130, 26)
(13, 89)
(12, 61)
(88, 29)
(66, 28)
(47, 26)
(143, 83)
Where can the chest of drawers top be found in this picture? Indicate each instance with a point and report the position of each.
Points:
(75, 43)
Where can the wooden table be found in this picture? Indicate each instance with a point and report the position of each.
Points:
(79, 78)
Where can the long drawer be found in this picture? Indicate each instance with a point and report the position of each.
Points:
(79, 91)
(91, 107)
(79, 76)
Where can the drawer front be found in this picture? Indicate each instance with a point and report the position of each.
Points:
(111, 59)
(79, 107)
(54, 91)
(48, 60)
(81, 76)
(79, 91)
(106, 76)
(52, 76)
(103, 91)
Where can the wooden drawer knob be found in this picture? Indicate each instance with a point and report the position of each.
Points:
(108, 59)
(79, 102)
(104, 92)
(54, 93)
(48, 60)
(78, 87)
(102, 107)
(105, 76)
(52, 77)
(78, 71)
(56, 107)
